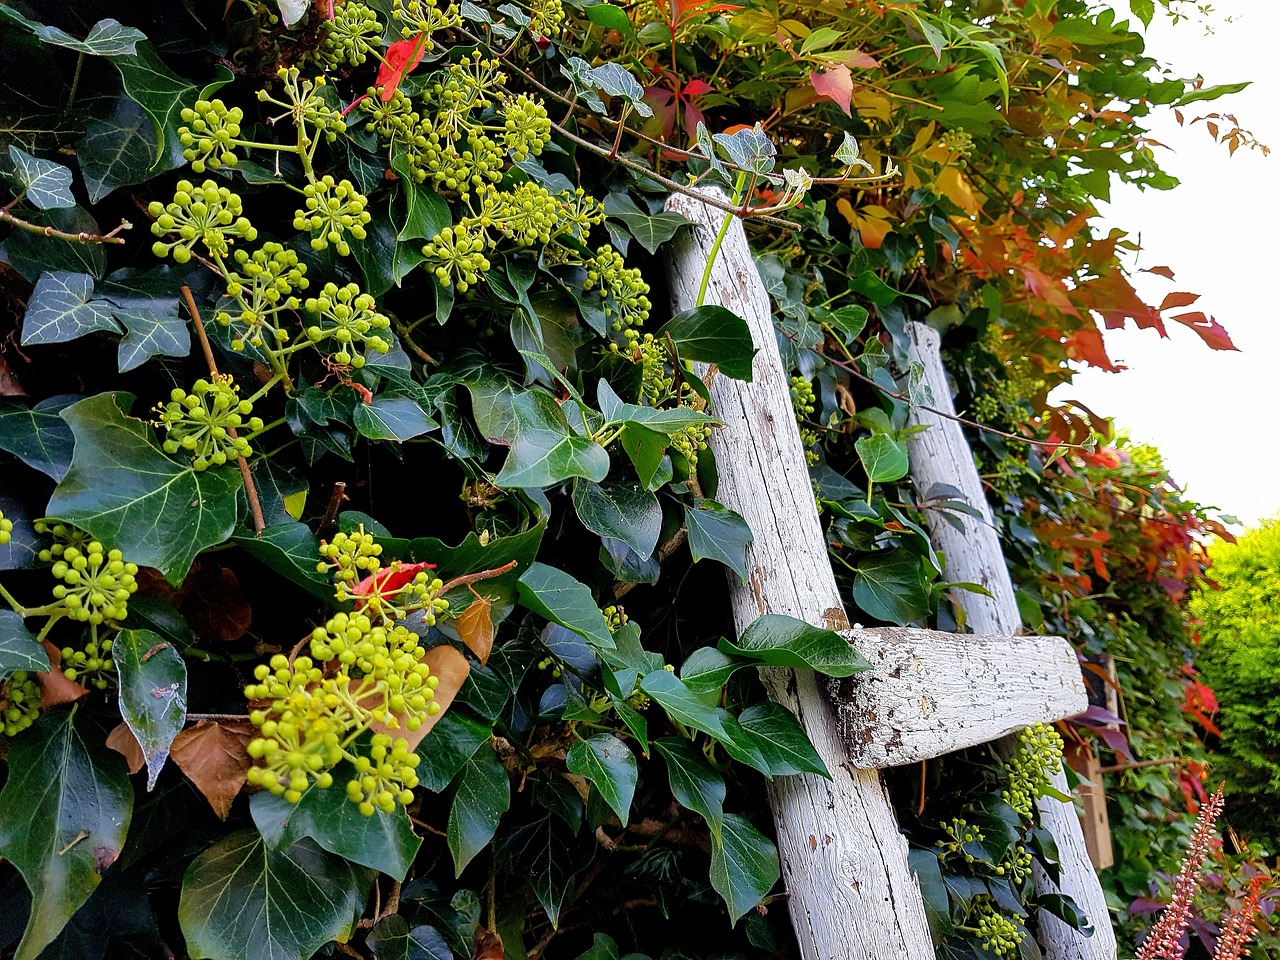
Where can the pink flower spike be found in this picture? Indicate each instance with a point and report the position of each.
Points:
(1239, 928)
(1164, 942)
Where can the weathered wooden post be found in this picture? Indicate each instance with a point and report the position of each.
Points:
(941, 454)
(844, 861)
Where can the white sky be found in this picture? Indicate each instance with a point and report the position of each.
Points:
(1213, 414)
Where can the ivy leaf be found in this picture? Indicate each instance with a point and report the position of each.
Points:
(546, 449)
(615, 80)
(547, 853)
(47, 184)
(744, 865)
(889, 587)
(62, 308)
(116, 150)
(883, 458)
(664, 422)
(161, 94)
(850, 155)
(242, 901)
(482, 796)
(781, 740)
(391, 939)
(392, 418)
(153, 693)
(289, 549)
(651, 230)
(709, 669)
(38, 436)
(451, 743)
(426, 211)
(718, 533)
(696, 785)
(611, 766)
(782, 641)
(106, 38)
(749, 148)
(712, 334)
(553, 594)
(64, 814)
(18, 648)
(124, 490)
(384, 841)
(620, 510)
(682, 704)
(150, 334)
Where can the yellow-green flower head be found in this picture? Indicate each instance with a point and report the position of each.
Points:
(201, 423)
(96, 583)
(263, 284)
(207, 214)
(459, 257)
(350, 319)
(208, 133)
(332, 209)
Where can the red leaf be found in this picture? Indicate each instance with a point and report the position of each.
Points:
(1208, 329)
(1178, 300)
(1165, 272)
(835, 82)
(696, 88)
(853, 58)
(386, 582)
(402, 57)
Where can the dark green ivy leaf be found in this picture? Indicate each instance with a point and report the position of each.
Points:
(64, 814)
(744, 865)
(116, 150)
(243, 901)
(709, 669)
(620, 510)
(62, 308)
(392, 418)
(384, 841)
(560, 598)
(46, 185)
(782, 641)
(546, 449)
(18, 648)
(482, 796)
(126, 492)
(713, 334)
(781, 740)
(38, 436)
(610, 766)
(697, 786)
(718, 533)
(161, 94)
(153, 693)
(889, 587)
(682, 704)
(150, 334)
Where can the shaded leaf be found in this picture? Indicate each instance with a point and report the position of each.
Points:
(482, 796)
(64, 813)
(620, 510)
(243, 901)
(682, 704)
(392, 418)
(712, 334)
(123, 742)
(161, 94)
(560, 598)
(744, 865)
(697, 786)
(116, 150)
(18, 648)
(38, 436)
(782, 741)
(150, 333)
(47, 185)
(888, 587)
(610, 766)
(62, 308)
(718, 533)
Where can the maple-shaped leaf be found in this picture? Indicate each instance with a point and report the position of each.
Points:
(402, 56)
(836, 82)
(1208, 329)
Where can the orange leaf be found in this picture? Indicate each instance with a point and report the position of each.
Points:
(1178, 300)
(475, 628)
(123, 742)
(402, 56)
(452, 669)
(1165, 272)
(835, 82)
(489, 945)
(55, 688)
(212, 755)
(1208, 329)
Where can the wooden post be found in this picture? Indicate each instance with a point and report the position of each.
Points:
(844, 861)
(1093, 816)
(941, 454)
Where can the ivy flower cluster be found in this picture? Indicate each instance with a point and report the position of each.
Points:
(209, 214)
(804, 402)
(203, 423)
(365, 679)
(263, 285)
(19, 702)
(6, 529)
(1000, 933)
(660, 389)
(1032, 767)
(348, 317)
(350, 37)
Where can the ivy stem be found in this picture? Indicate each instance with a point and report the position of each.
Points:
(75, 81)
(250, 488)
(48, 625)
(10, 599)
(263, 391)
(19, 223)
(715, 247)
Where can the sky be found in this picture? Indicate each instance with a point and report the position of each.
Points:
(1212, 414)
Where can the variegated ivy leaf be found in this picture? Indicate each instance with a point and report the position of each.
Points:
(851, 156)
(707, 147)
(615, 80)
(46, 184)
(578, 72)
(750, 149)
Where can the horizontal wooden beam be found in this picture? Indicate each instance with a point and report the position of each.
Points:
(930, 693)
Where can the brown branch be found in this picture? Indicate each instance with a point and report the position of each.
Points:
(467, 578)
(19, 223)
(330, 521)
(250, 488)
(405, 335)
(663, 552)
(1121, 767)
(215, 717)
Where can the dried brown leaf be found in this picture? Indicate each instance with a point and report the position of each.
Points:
(489, 945)
(212, 755)
(55, 688)
(475, 628)
(452, 669)
(123, 742)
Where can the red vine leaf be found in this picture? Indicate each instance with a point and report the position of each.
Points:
(835, 82)
(1178, 300)
(55, 688)
(1208, 329)
(402, 57)
(212, 755)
